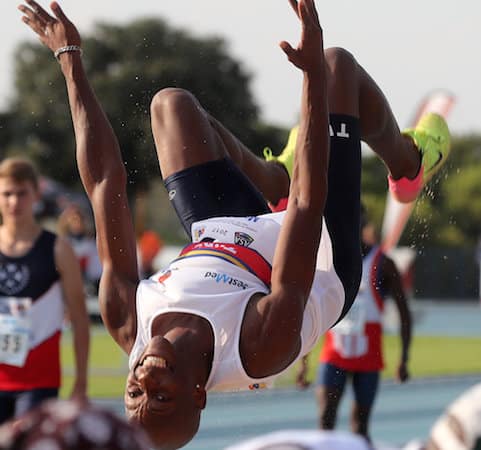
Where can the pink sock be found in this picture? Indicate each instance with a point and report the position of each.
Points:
(405, 190)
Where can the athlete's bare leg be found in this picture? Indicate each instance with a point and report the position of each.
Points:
(360, 420)
(328, 399)
(352, 91)
(186, 135)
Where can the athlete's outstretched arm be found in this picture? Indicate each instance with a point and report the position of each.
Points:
(295, 255)
(102, 172)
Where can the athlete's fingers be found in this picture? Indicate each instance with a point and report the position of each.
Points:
(39, 11)
(294, 6)
(32, 16)
(34, 25)
(309, 20)
(287, 49)
(310, 15)
(291, 53)
(315, 14)
(306, 13)
(57, 10)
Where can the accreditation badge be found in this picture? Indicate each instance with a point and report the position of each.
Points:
(349, 335)
(15, 328)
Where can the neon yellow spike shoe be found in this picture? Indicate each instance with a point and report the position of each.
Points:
(431, 136)
(287, 156)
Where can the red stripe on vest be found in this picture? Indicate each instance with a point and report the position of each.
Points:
(243, 257)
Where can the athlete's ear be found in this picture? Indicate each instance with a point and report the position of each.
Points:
(200, 396)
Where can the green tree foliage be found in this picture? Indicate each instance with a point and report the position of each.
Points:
(6, 131)
(127, 64)
(462, 193)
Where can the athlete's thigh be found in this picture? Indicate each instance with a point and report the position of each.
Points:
(183, 134)
(365, 386)
(186, 135)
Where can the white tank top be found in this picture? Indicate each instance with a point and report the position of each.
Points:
(219, 291)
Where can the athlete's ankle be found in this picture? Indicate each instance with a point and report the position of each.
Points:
(411, 163)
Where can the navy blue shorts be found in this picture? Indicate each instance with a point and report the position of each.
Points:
(364, 384)
(16, 403)
(213, 189)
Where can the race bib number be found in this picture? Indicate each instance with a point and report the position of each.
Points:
(14, 330)
(350, 340)
(353, 322)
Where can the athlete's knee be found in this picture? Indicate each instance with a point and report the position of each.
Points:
(343, 75)
(173, 102)
(341, 62)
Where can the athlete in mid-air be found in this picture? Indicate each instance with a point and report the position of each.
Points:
(254, 291)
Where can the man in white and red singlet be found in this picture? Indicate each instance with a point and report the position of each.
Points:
(353, 348)
(253, 291)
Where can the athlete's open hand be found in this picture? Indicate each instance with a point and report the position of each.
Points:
(301, 376)
(309, 54)
(54, 31)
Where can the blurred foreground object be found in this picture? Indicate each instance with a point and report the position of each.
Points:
(303, 440)
(70, 425)
(459, 428)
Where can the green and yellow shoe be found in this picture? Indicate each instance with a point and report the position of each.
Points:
(433, 140)
(287, 156)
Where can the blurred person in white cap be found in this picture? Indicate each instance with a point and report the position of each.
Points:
(459, 428)
(303, 440)
(71, 425)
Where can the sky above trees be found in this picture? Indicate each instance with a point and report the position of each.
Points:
(409, 47)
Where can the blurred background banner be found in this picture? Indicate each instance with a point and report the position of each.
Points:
(397, 214)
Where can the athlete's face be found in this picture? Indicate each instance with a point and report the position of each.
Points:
(17, 199)
(154, 377)
(159, 396)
